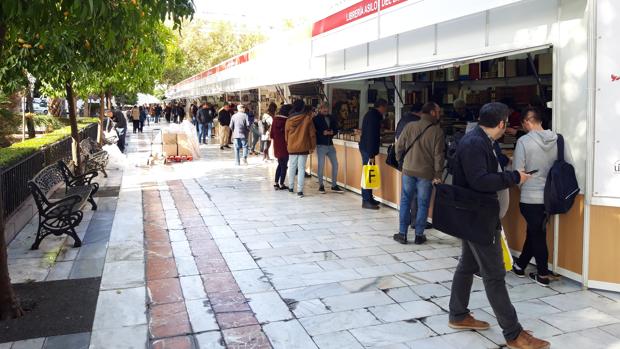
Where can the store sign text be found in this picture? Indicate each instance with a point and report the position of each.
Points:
(352, 13)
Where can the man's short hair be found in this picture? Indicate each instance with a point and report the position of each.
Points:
(428, 107)
(381, 103)
(241, 107)
(532, 113)
(491, 114)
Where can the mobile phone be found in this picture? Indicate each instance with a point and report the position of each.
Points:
(531, 172)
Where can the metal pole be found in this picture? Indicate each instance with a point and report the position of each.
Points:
(23, 119)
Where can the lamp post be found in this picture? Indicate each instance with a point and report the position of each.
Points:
(23, 118)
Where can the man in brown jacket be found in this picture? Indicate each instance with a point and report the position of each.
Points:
(300, 136)
(421, 148)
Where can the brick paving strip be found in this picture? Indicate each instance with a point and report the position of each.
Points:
(193, 295)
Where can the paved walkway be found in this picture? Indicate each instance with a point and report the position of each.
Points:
(204, 254)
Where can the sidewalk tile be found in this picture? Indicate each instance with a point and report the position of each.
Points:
(193, 287)
(246, 338)
(164, 291)
(288, 335)
(168, 320)
(220, 282)
(123, 337)
(160, 268)
(186, 266)
(393, 333)
(72, 341)
(340, 321)
(337, 340)
(184, 342)
(35, 343)
(357, 300)
(252, 281)
(160, 249)
(582, 319)
(236, 319)
(269, 307)
(224, 302)
(201, 315)
(210, 340)
(211, 266)
(87, 268)
(120, 308)
(124, 274)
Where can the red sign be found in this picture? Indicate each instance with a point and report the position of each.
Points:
(229, 63)
(352, 13)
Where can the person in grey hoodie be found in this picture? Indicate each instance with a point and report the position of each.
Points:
(240, 127)
(535, 151)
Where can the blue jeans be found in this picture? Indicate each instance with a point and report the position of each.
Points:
(209, 131)
(414, 187)
(297, 163)
(330, 152)
(240, 143)
(202, 135)
(366, 193)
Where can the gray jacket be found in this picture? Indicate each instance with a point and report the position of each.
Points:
(240, 125)
(537, 150)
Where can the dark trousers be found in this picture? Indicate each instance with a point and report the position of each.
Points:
(536, 238)
(281, 170)
(136, 125)
(121, 141)
(366, 193)
(489, 260)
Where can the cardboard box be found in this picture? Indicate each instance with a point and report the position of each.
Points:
(170, 138)
(170, 149)
(184, 146)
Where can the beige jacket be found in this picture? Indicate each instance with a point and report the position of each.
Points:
(426, 158)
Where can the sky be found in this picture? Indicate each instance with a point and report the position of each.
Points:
(266, 15)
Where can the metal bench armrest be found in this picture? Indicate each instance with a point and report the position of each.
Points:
(84, 179)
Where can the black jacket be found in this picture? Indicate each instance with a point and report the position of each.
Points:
(205, 116)
(407, 118)
(321, 125)
(224, 117)
(477, 165)
(371, 133)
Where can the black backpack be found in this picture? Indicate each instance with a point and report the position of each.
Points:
(561, 187)
(452, 143)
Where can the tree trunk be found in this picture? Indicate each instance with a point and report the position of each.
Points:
(101, 115)
(75, 134)
(9, 305)
(30, 109)
(108, 95)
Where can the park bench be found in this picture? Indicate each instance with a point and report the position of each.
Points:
(94, 157)
(61, 215)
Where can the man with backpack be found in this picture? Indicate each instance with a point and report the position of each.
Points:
(478, 170)
(421, 146)
(536, 151)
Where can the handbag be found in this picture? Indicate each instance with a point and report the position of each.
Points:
(391, 159)
(371, 176)
(466, 214)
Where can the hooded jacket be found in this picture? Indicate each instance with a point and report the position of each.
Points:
(278, 136)
(537, 150)
(300, 134)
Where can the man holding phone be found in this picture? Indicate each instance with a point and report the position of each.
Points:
(326, 128)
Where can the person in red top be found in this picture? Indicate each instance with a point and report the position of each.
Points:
(279, 145)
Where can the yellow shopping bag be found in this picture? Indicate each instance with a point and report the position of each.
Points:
(371, 177)
(506, 252)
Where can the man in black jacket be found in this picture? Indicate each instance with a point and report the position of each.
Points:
(326, 127)
(223, 118)
(477, 168)
(370, 143)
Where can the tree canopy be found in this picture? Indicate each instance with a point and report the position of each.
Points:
(195, 48)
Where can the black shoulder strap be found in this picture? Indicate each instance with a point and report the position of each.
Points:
(416, 139)
(560, 144)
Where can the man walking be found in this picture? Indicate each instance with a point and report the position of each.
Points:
(477, 169)
(224, 119)
(202, 119)
(240, 127)
(326, 127)
(369, 145)
(421, 146)
(121, 128)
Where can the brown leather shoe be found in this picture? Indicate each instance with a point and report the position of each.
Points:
(525, 340)
(469, 323)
